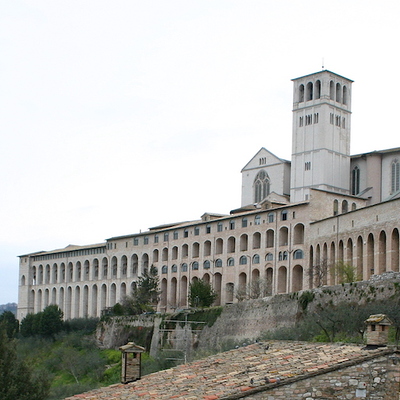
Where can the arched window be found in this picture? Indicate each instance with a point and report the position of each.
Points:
(298, 254)
(317, 89)
(269, 257)
(231, 262)
(335, 207)
(184, 267)
(257, 220)
(395, 176)
(195, 266)
(243, 260)
(309, 94)
(344, 98)
(219, 227)
(164, 269)
(355, 181)
(174, 268)
(345, 206)
(338, 93)
(301, 93)
(256, 259)
(244, 222)
(271, 217)
(261, 186)
(206, 264)
(331, 90)
(218, 262)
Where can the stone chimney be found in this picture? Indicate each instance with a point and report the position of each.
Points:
(377, 330)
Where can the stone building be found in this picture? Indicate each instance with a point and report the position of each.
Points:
(297, 220)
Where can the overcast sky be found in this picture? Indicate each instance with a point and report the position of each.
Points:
(116, 116)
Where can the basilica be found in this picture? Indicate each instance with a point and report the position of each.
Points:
(298, 221)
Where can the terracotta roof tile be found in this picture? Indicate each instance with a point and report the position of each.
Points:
(235, 371)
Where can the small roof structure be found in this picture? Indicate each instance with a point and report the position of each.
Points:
(131, 347)
(378, 319)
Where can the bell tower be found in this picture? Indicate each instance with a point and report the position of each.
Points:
(321, 134)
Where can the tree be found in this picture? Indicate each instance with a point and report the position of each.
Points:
(346, 273)
(201, 294)
(10, 323)
(145, 295)
(319, 273)
(17, 380)
(46, 323)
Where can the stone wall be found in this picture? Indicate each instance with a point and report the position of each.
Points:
(247, 320)
(376, 379)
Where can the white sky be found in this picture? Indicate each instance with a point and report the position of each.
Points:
(116, 116)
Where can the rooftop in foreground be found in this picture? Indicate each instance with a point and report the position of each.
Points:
(239, 372)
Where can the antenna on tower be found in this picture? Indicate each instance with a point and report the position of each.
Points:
(323, 67)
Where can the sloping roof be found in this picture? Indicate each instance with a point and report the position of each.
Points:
(248, 369)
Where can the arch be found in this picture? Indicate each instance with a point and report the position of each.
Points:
(301, 93)
(47, 274)
(183, 292)
(85, 302)
(40, 274)
(382, 252)
(174, 253)
(269, 257)
(103, 296)
(345, 206)
(114, 267)
(317, 89)
(298, 234)
(95, 270)
(283, 236)
(207, 248)
(345, 95)
(122, 289)
(282, 279)
(335, 207)
(207, 264)
(145, 263)
(331, 90)
(54, 274)
(360, 257)
(261, 186)
(86, 270)
(77, 302)
(61, 300)
(244, 242)
(219, 246)
(298, 254)
(164, 269)
(349, 251)
(195, 266)
(230, 262)
(332, 260)
(395, 248)
(46, 298)
(256, 259)
(173, 293)
(185, 251)
(156, 255)
(311, 268)
(243, 260)
(256, 240)
(134, 265)
(124, 266)
(68, 303)
(297, 278)
(195, 249)
(54, 296)
(231, 244)
(184, 267)
(174, 268)
(113, 294)
(105, 267)
(309, 91)
(163, 296)
(164, 254)
(338, 92)
(206, 278)
(270, 238)
(218, 263)
(94, 312)
(370, 255)
(23, 280)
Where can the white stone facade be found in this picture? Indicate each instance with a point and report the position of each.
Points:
(340, 208)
